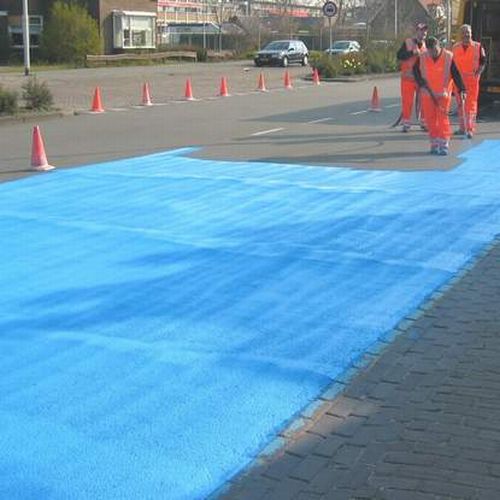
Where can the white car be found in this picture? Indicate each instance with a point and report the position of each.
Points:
(342, 47)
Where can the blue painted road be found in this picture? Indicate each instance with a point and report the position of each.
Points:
(163, 317)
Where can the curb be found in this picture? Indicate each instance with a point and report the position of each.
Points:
(353, 79)
(28, 117)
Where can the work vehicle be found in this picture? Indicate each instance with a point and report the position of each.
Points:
(283, 53)
(484, 17)
(342, 47)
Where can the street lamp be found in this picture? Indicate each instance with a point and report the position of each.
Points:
(26, 38)
(221, 14)
(395, 19)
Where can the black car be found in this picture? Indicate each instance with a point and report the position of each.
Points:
(283, 53)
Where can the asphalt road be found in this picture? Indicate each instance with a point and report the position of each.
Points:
(316, 125)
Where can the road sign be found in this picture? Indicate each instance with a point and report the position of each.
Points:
(329, 9)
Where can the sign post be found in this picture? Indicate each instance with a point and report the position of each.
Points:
(330, 10)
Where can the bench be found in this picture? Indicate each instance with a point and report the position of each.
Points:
(153, 56)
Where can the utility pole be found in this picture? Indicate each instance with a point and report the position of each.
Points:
(448, 22)
(221, 14)
(204, 19)
(26, 38)
(395, 19)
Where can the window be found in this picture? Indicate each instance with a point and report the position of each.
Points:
(133, 30)
(16, 31)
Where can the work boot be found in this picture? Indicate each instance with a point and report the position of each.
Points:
(459, 132)
(469, 135)
(406, 128)
(443, 151)
(434, 150)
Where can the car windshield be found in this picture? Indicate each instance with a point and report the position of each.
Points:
(276, 46)
(341, 45)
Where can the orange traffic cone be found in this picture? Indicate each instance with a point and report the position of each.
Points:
(146, 96)
(262, 84)
(38, 157)
(96, 102)
(189, 91)
(315, 78)
(375, 104)
(223, 88)
(288, 81)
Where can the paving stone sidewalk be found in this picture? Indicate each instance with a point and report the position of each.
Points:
(422, 421)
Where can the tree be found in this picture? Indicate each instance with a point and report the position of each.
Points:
(70, 34)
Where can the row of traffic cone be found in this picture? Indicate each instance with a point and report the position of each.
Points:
(97, 106)
(39, 160)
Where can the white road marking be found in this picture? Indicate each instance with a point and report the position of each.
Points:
(360, 112)
(393, 106)
(321, 120)
(270, 131)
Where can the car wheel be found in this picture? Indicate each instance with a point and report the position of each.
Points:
(284, 63)
(305, 60)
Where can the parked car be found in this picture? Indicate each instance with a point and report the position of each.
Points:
(283, 53)
(344, 47)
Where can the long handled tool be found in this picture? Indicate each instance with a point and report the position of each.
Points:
(465, 121)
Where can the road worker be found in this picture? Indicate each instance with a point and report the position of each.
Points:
(407, 56)
(435, 72)
(470, 58)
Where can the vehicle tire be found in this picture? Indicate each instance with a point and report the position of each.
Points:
(305, 60)
(284, 63)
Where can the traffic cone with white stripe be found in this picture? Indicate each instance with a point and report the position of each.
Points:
(38, 157)
(288, 81)
(146, 95)
(375, 103)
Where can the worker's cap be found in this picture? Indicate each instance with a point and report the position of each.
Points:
(421, 26)
(431, 42)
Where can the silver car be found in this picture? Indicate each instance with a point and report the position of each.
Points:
(342, 47)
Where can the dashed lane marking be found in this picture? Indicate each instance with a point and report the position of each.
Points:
(319, 120)
(270, 131)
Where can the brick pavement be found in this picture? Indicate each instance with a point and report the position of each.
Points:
(421, 421)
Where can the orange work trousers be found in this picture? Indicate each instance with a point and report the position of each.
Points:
(467, 123)
(437, 119)
(409, 88)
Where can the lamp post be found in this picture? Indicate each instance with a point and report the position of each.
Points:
(204, 20)
(221, 14)
(395, 19)
(26, 38)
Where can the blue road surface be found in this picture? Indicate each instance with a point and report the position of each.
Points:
(163, 317)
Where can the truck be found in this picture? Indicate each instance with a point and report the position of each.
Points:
(484, 17)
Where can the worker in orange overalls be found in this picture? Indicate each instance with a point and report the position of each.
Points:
(435, 72)
(470, 58)
(407, 56)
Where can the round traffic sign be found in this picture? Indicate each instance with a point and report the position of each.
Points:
(329, 9)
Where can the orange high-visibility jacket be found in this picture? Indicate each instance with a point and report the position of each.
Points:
(437, 73)
(467, 61)
(407, 66)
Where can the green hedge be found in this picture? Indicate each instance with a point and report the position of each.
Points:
(8, 101)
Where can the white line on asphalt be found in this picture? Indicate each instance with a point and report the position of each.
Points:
(360, 112)
(321, 120)
(393, 106)
(270, 131)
